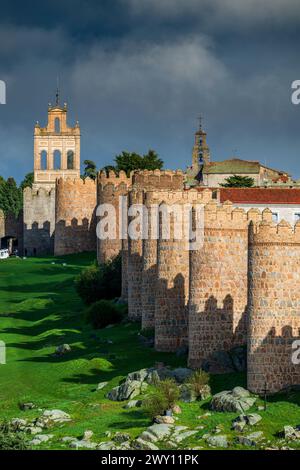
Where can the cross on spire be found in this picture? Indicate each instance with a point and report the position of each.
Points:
(200, 118)
(57, 93)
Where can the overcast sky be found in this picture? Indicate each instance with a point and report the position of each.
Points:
(137, 73)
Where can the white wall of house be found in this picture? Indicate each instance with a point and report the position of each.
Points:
(288, 212)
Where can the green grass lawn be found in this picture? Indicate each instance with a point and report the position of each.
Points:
(39, 310)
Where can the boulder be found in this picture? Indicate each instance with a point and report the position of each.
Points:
(57, 416)
(62, 349)
(133, 404)
(125, 391)
(187, 393)
(156, 432)
(27, 406)
(121, 437)
(251, 439)
(106, 445)
(164, 420)
(290, 433)
(181, 374)
(205, 392)
(138, 376)
(40, 438)
(87, 435)
(217, 441)
(236, 400)
(18, 424)
(77, 444)
(101, 385)
(176, 409)
(241, 421)
(178, 437)
(140, 444)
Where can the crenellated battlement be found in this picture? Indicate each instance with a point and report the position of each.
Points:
(180, 196)
(158, 179)
(43, 193)
(113, 181)
(73, 182)
(268, 232)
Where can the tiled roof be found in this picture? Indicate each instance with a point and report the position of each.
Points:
(232, 166)
(235, 166)
(260, 195)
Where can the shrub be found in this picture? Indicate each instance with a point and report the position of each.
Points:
(103, 313)
(10, 440)
(155, 404)
(100, 282)
(198, 380)
(163, 398)
(148, 333)
(170, 391)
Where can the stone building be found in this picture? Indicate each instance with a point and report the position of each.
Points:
(239, 287)
(59, 209)
(214, 173)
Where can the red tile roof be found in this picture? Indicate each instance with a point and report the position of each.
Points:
(260, 195)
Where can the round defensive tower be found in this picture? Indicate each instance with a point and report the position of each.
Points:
(274, 306)
(112, 189)
(218, 284)
(172, 286)
(75, 222)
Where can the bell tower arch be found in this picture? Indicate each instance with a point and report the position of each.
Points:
(56, 148)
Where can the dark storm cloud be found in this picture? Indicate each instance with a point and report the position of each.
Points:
(136, 73)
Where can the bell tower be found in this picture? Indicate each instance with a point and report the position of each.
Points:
(56, 148)
(201, 154)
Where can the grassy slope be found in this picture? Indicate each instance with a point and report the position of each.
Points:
(39, 310)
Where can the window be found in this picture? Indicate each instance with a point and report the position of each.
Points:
(57, 160)
(275, 217)
(70, 160)
(297, 216)
(43, 164)
(57, 125)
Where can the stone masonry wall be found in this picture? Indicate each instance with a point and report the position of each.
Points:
(274, 306)
(39, 221)
(172, 286)
(109, 190)
(218, 284)
(75, 218)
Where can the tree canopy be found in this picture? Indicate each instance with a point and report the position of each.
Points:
(237, 181)
(90, 170)
(27, 181)
(130, 161)
(11, 196)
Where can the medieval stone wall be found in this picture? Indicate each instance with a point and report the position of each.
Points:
(110, 189)
(274, 306)
(218, 284)
(75, 216)
(142, 253)
(39, 221)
